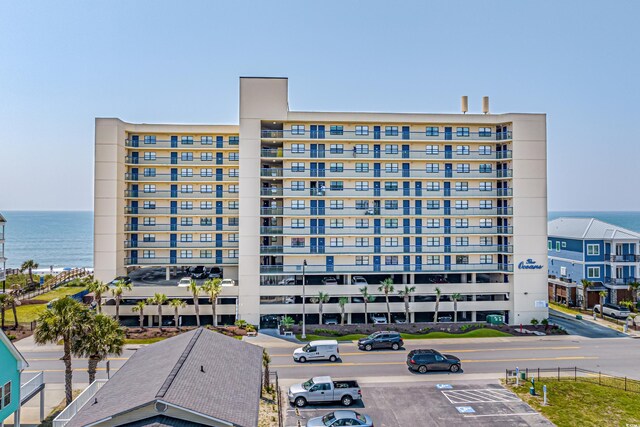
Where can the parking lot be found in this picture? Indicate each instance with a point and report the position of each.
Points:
(431, 404)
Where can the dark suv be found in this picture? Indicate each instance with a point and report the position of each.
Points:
(430, 360)
(381, 339)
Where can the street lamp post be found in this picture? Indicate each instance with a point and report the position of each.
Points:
(304, 323)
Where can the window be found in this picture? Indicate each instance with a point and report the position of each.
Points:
(149, 188)
(186, 237)
(205, 253)
(486, 259)
(462, 259)
(391, 241)
(462, 132)
(206, 140)
(336, 185)
(433, 204)
(462, 204)
(336, 149)
(186, 172)
(549, 245)
(206, 221)
(337, 204)
(206, 157)
(234, 237)
(484, 131)
(433, 241)
(462, 150)
(336, 242)
(148, 254)
(149, 171)
(150, 139)
(462, 222)
(186, 254)
(297, 148)
(149, 221)
(391, 260)
(186, 205)
(432, 149)
(486, 223)
(390, 223)
(297, 167)
(362, 130)
(391, 168)
(297, 242)
(297, 185)
(486, 186)
(362, 148)
(433, 168)
(362, 223)
(148, 237)
(462, 186)
(391, 130)
(362, 260)
(186, 156)
(336, 223)
(234, 222)
(462, 241)
(557, 246)
(433, 259)
(362, 167)
(206, 237)
(234, 173)
(234, 140)
(297, 223)
(232, 253)
(485, 168)
(336, 167)
(362, 242)
(206, 205)
(486, 204)
(433, 186)
(234, 188)
(234, 157)
(206, 172)
(564, 245)
(187, 140)
(297, 129)
(391, 204)
(433, 223)
(593, 249)
(206, 188)
(433, 130)
(462, 168)
(563, 271)
(149, 155)
(486, 241)
(149, 204)
(391, 149)
(593, 272)
(362, 186)
(336, 130)
(362, 204)
(484, 150)
(233, 205)
(187, 222)
(297, 204)
(390, 186)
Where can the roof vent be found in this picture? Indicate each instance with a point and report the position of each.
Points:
(161, 406)
(464, 104)
(485, 104)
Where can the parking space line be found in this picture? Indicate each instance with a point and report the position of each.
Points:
(480, 396)
(462, 397)
(521, 414)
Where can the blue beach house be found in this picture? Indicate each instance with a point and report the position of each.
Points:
(587, 248)
(12, 364)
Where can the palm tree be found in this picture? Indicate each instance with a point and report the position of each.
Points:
(266, 359)
(287, 322)
(66, 321)
(212, 288)
(367, 299)
(321, 299)
(159, 300)
(438, 293)
(139, 307)
(406, 296)
(4, 304)
(634, 287)
(585, 287)
(455, 298)
(177, 304)
(117, 292)
(29, 265)
(103, 337)
(342, 301)
(195, 291)
(603, 295)
(387, 287)
(98, 288)
(15, 302)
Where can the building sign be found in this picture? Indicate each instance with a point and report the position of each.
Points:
(529, 265)
(541, 304)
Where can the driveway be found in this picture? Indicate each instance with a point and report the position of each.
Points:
(582, 327)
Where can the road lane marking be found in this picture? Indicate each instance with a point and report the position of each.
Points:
(454, 351)
(60, 358)
(63, 370)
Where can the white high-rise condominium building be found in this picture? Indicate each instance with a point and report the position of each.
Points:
(449, 201)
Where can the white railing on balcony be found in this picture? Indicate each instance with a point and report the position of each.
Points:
(70, 411)
(27, 389)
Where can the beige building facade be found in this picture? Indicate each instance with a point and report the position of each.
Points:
(339, 201)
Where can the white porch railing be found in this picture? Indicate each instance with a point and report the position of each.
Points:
(70, 411)
(27, 389)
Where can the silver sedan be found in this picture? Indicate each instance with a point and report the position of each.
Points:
(341, 418)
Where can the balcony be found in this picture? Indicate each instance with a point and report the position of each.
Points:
(382, 135)
(491, 156)
(349, 211)
(179, 227)
(622, 258)
(167, 177)
(177, 261)
(130, 210)
(347, 173)
(173, 244)
(168, 194)
(194, 145)
(369, 231)
(396, 268)
(70, 411)
(369, 193)
(167, 161)
(620, 281)
(372, 250)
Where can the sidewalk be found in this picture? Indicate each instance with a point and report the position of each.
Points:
(28, 345)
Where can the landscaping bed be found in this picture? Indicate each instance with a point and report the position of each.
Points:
(151, 335)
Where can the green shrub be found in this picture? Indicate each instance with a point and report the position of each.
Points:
(242, 324)
(534, 321)
(330, 332)
(250, 328)
(11, 337)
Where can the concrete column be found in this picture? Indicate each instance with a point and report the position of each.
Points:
(412, 279)
(42, 405)
(473, 316)
(168, 273)
(348, 318)
(473, 277)
(149, 320)
(16, 418)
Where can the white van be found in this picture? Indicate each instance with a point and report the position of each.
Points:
(317, 350)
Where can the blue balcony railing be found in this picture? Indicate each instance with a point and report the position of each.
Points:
(385, 135)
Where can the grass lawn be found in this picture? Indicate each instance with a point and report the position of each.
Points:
(478, 333)
(29, 312)
(583, 404)
(143, 340)
(565, 309)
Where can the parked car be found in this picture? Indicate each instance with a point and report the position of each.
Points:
(214, 275)
(184, 282)
(341, 418)
(399, 318)
(381, 339)
(287, 281)
(317, 350)
(359, 280)
(445, 319)
(228, 282)
(329, 281)
(124, 279)
(289, 300)
(379, 319)
(200, 272)
(431, 360)
(613, 310)
(330, 320)
(325, 390)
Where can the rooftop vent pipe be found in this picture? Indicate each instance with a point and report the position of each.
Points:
(485, 104)
(464, 104)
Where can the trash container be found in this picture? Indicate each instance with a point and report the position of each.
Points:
(523, 376)
(532, 391)
(495, 319)
(579, 316)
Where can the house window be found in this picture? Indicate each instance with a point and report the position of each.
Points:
(186, 254)
(297, 148)
(149, 188)
(433, 204)
(234, 157)
(484, 150)
(149, 171)
(233, 205)
(234, 173)
(463, 150)
(297, 242)
(337, 167)
(486, 186)
(486, 259)
(297, 204)
(433, 186)
(149, 221)
(486, 204)
(148, 237)
(206, 188)
(391, 148)
(484, 132)
(297, 223)
(485, 168)
(362, 130)
(234, 189)
(433, 241)
(206, 140)
(336, 223)
(557, 246)
(206, 205)
(433, 168)
(206, 157)
(432, 149)
(462, 131)
(593, 249)
(391, 168)
(549, 245)
(462, 223)
(362, 223)
(563, 271)
(187, 140)
(462, 168)
(234, 222)
(187, 222)
(297, 129)
(362, 148)
(362, 242)
(390, 186)
(233, 237)
(297, 185)
(362, 186)
(186, 157)
(337, 204)
(593, 272)
(6, 395)
(391, 223)
(336, 185)
(362, 167)
(391, 241)
(206, 254)
(336, 242)
(362, 260)
(391, 260)
(486, 241)
(462, 259)
(149, 155)
(462, 241)
(186, 172)
(433, 259)
(297, 167)
(486, 223)
(206, 172)
(462, 204)
(336, 130)
(206, 221)
(186, 205)
(148, 254)
(391, 130)
(186, 237)
(234, 140)
(233, 253)
(433, 223)
(206, 237)
(150, 139)
(462, 186)
(336, 149)
(433, 130)
(391, 205)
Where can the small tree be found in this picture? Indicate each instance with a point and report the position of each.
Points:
(158, 299)
(322, 298)
(585, 288)
(212, 288)
(4, 304)
(406, 296)
(195, 291)
(603, 295)
(98, 288)
(117, 291)
(438, 294)
(266, 359)
(634, 287)
(139, 307)
(545, 322)
(29, 266)
(177, 304)
(535, 322)
(455, 297)
(386, 286)
(367, 298)
(342, 301)
(103, 336)
(287, 322)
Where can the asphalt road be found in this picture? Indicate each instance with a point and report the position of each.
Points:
(582, 327)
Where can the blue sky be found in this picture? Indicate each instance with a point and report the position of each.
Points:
(63, 63)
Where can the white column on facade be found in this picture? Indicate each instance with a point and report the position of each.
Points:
(168, 273)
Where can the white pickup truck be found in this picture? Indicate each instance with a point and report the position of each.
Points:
(324, 390)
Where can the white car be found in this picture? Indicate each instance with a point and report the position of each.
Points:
(290, 300)
(228, 282)
(184, 282)
(359, 280)
(378, 319)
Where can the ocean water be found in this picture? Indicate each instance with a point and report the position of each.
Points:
(65, 239)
